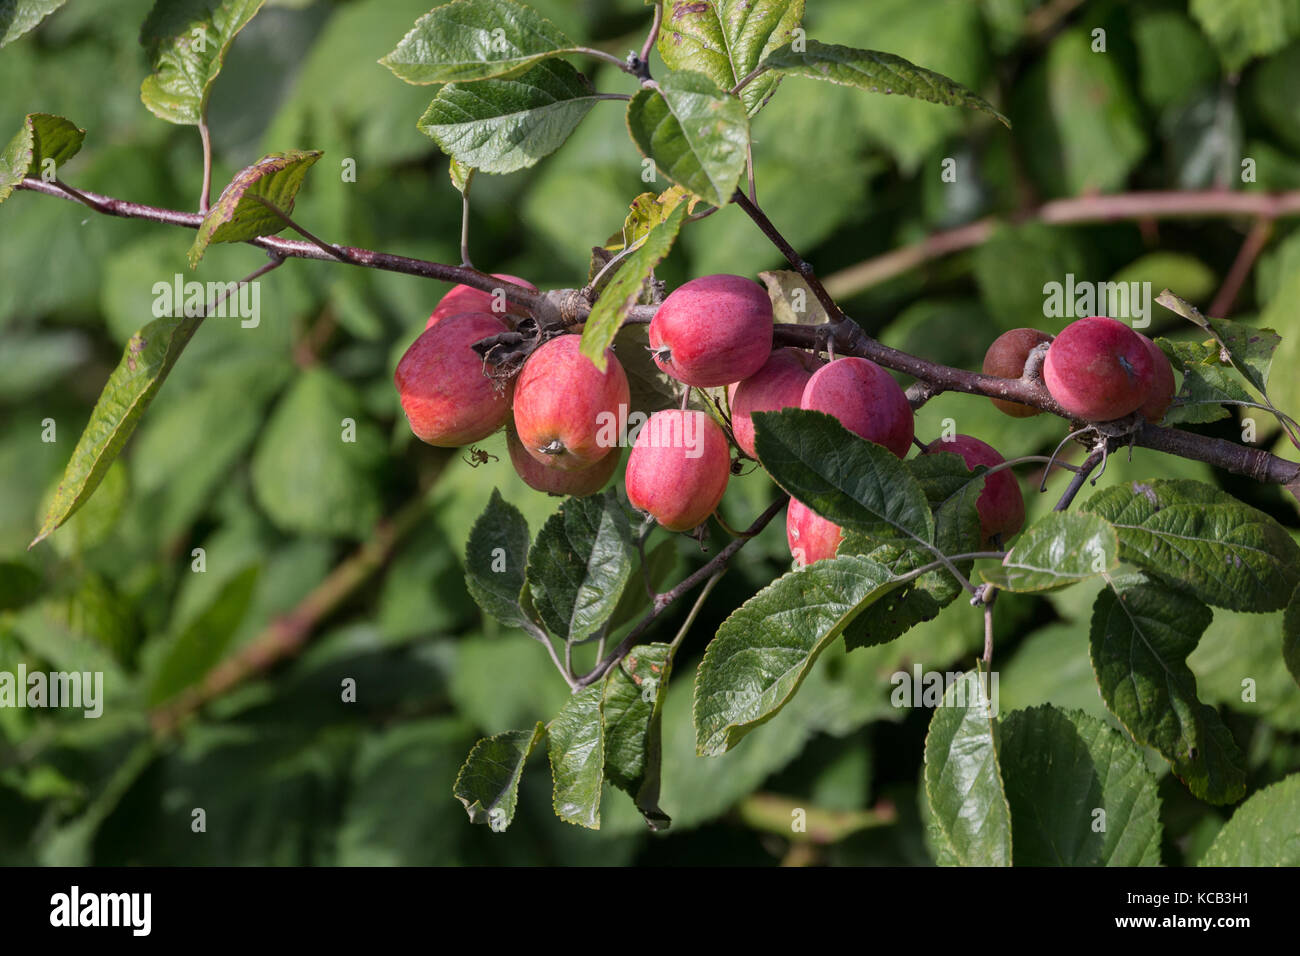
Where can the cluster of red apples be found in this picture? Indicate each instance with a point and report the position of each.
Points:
(717, 331)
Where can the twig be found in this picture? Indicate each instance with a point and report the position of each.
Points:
(1250, 249)
(1136, 205)
(315, 240)
(643, 61)
(797, 261)
(1080, 476)
(663, 601)
(287, 634)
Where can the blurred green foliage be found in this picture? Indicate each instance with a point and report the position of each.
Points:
(240, 457)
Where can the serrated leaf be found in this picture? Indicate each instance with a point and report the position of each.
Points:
(793, 302)
(577, 750)
(1203, 540)
(765, 649)
(875, 72)
(1251, 349)
(503, 125)
(146, 361)
(186, 43)
(579, 563)
(622, 291)
(696, 134)
(1060, 549)
(898, 611)
(963, 780)
(633, 714)
(496, 560)
(1140, 637)
(475, 40)
(43, 137)
(20, 16)
(1208, 382)
(1063, 771)
(488, 783)
(853, 482)
(242, 211)
(726, 39)
(1262, 831)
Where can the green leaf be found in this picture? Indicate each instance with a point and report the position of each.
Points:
(622, 291)
(633, 713)
(146, 361)
(765, 649)
(245, 209)
(1203, 540)
(194, 651)
(1140, 637)
(475, 40)
(579, 563)
(496, 560)
(186, 43)
(1060, 549)
(897, 612)
(19, 16)
(577, 750)
(853, 482)
(488, 783)
(1291, 636)
(726, 39)
(875, 72)
(43, 138)
(1244, 29)
(696, 134)
(500, 126)
(963, 780)
(1208, 382)
(1262, 831)
(306, 476)
(1080, 793)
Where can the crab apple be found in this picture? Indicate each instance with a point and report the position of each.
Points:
(778, 384)
(446, 396)
(713, 331)
(1001, 506)
(811, 537)
(1163, 386)
(1098, 369)
(465, 298)
(1006, 359)
(557, 481)
(562, 401)
(866, 400)
(678, 468)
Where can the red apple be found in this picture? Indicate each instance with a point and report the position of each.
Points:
(1006, 359)
(557, 481)
(1098, 369)
(562, 401)
(1001, 506)
(447, 397)
(811, 537)
(713, 331)
(866, 400)
(1163, 386)
(778, 384)
(464, 298)
(678, 468)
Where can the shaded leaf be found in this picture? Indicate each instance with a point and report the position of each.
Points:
(488, 783)
(875, 72)
(1141, 634)
(496, 560)
(633, 714)
(577, 750)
